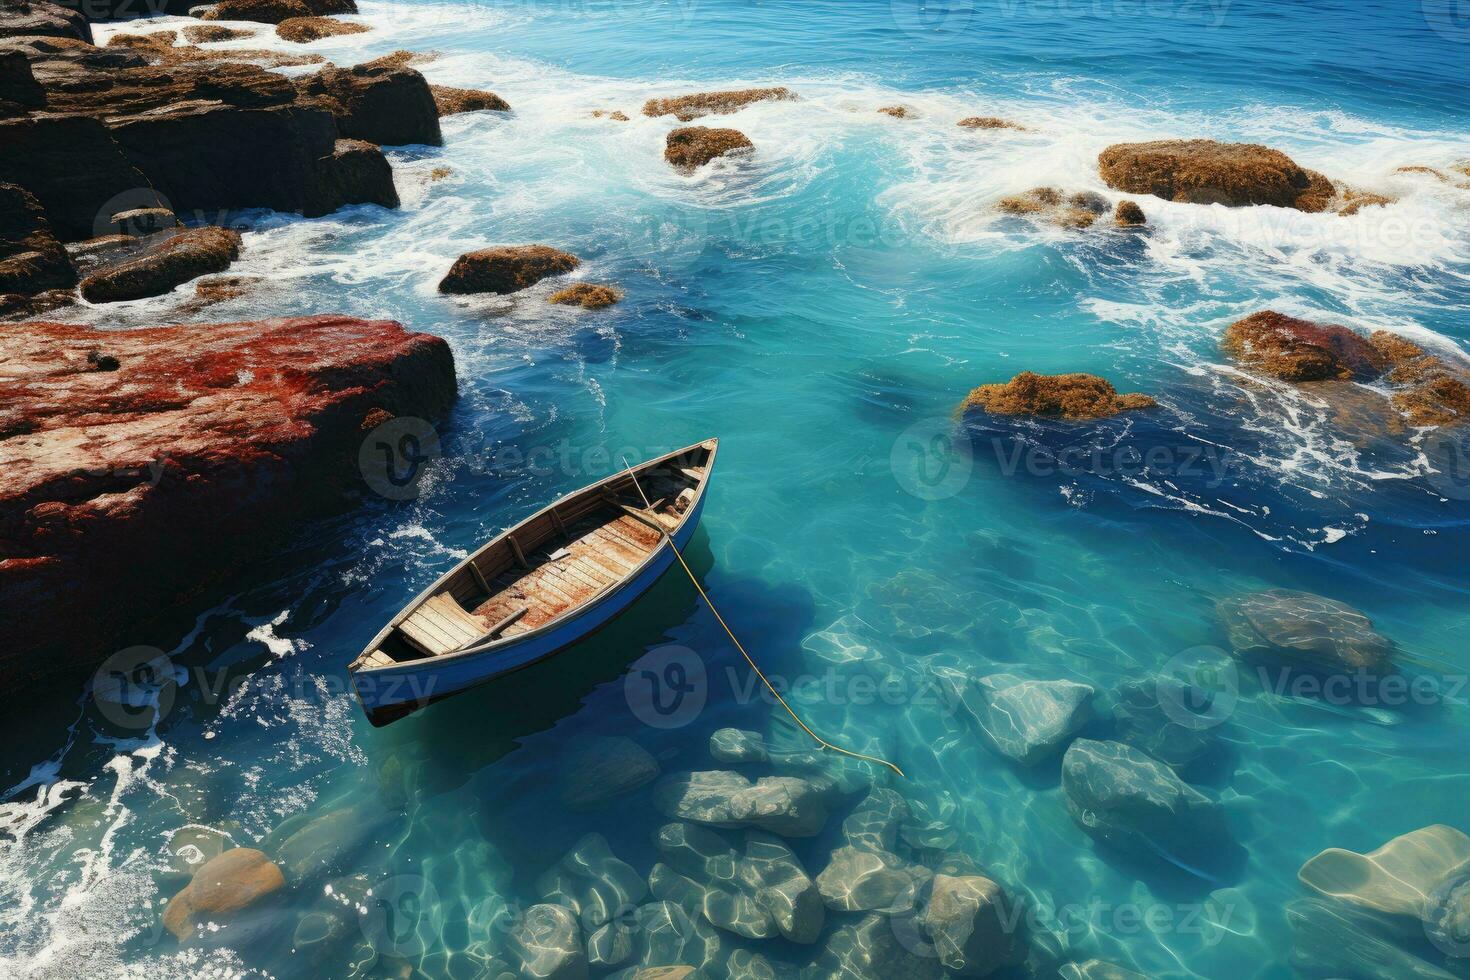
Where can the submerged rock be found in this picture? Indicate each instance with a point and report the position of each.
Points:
(969, 920)
(1137, 804)
(199, 445)
(1029, 720)
(1097, 970)
(591, 882)
(506, 269)
(177, 259)
(1147, 715)
(1403, 882)
(1074, 211)
(784, 805)
(735, 745)
(548, 944)
(875, 822)
(1207, 172)
(589, 296)
(31, 259)
(302, 30)
(871, 950)
(691, 147)
(601, 769)
(1067, 396)
(687, 107)
(1300, 630)
(450, 100)
(859, 879)
(221, 888)
(1331, 939)
(666, 934)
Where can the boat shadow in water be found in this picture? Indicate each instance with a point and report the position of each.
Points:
(477, 726)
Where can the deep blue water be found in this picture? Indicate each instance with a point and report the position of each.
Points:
(822, 308)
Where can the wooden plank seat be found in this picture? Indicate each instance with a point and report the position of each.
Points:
(442, 626)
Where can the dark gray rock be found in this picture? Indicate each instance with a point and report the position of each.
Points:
(784, 805)
(733, 745)
(872, 950)
(599, 770)
(1162, 717)
(1308, 632)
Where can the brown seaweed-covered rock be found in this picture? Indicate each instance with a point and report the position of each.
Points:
(588, 295)
(302, 30)
(1207, 172)
(990, 122)
(199, 446)
(31, 259)
(691, 147)
(616, 115)
(38, 18)
(211, 33)
(506, 269)
(1128, 215)
(1067, 396)
(688, 107)
(276, 11)
(172, 262)
(896, 111)
(223, 886)
(1074, 211)
(1293, 349)
(378, 101)
(362, 175)
(450, 100)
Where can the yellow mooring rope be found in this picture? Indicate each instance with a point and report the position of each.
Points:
(758, 672)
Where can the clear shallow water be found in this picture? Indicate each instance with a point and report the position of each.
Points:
(822, 309)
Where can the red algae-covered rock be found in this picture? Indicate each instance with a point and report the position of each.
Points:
(687, 107)
(1293, 349)
(190, 448)
(450, 100)
(691, 147)
(178, 258)
(506, 269)
(1067, 396)
(224, 885)
(1207, 172)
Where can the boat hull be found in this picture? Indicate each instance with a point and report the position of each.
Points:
(391, 692)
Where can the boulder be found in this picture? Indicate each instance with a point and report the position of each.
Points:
(38, 18)
(1403, 883)
(1293, 349)
(599, 770)
(784, 805)
(610, 946)
(302, 30)
(1074, 211)
(1158, 716)
(180, 257)
(1129, 215)
(871, 949)
(1331, 939)
(221, 888)
(589, 296)
(379, 101)
(200, 446)
(667, 934)
(591, 882)
(548, 944)
(31, 259)
(141, 222)
(1281, 627)
(358, 173)
(968, 919)
(1029, 720)
(858, 879)
(691, 147)
(1096, 970)
(450, 100)
(274, 11)
(782, 888)
(1207, 172)
(735, 745)
(687, 107)
(874, 823)
(1065, 396)
(506, 269)
(1137, 804)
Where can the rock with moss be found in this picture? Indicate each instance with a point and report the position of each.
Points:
(506, 269)
(1207, 172)
(450, 100)
(688, 107)
(691, 147)
(1063, 396)
(588, 295)
(302, 30)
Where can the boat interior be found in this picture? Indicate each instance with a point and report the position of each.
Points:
(560, 559)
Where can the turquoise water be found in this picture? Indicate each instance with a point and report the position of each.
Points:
(821, 308)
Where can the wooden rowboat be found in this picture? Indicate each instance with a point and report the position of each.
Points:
(537, 588)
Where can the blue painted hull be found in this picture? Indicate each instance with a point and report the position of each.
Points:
(390, 692)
